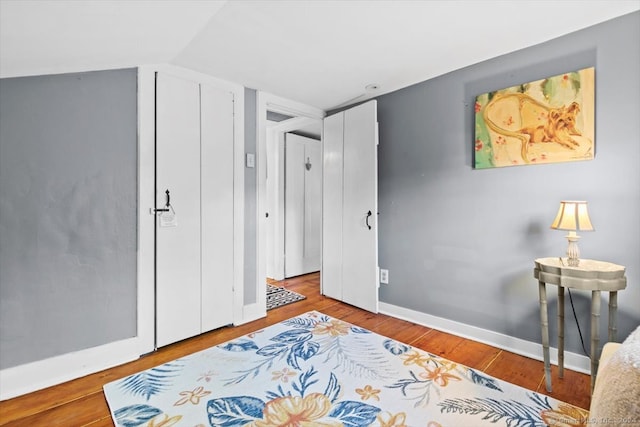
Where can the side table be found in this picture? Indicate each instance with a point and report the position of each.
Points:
(594, 276)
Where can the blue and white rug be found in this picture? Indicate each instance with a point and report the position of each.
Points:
(314, 370)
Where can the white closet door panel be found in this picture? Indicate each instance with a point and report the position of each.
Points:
(360, 246)
(294, 206)
(178, 248)
(332, 157)
(217, 207)
(312, 206)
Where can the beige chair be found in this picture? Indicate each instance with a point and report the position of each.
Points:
(616, 396)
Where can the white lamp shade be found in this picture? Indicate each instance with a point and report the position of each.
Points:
(573, 216)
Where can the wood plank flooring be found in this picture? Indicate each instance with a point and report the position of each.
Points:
(81, 402)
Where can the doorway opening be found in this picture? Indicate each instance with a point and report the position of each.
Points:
(294, 196)
(279, 119)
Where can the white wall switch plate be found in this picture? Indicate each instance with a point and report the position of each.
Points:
(251, 160)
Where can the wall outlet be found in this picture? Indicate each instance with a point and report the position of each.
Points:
(384, 276)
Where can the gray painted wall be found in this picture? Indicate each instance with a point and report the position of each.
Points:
(68, 209)
(250, 197)
(459, 243)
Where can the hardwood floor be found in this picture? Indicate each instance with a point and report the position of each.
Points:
(81, 402)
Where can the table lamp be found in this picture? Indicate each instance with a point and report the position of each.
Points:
(572, 216)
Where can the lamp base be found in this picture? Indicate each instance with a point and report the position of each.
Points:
(573, 253)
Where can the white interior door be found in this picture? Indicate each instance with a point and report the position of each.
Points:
(195, 237)
(303, 196)
(177, 243)
(350, 204)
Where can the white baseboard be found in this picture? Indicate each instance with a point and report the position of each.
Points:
(573, 361)
(34, 376)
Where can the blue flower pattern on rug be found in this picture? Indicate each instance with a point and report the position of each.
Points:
(315, 370)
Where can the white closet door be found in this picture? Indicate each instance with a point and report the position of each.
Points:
(194, 254)
(178, 283)
(350, 204)
(217, 207)
(302, 205)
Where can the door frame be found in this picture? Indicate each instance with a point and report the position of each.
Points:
(268, 102)
(277, 132)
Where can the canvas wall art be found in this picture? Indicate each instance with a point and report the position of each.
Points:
(546, 121)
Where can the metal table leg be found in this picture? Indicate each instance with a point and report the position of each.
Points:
(561, 331)
(595, 334)
(544, 325)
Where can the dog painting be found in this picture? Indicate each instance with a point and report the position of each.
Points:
(545, 121)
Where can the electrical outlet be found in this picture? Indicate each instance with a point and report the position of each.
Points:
(384, 276)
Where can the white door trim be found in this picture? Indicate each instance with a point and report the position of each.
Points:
(268, 102)
(146, 200)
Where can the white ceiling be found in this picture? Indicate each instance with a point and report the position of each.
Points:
(319, 52)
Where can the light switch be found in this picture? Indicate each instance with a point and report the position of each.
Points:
(251, 160)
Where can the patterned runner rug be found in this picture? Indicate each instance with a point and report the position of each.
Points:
(314, 370)
(277, 296)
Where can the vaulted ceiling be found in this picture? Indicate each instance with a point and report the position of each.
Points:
(319, 52)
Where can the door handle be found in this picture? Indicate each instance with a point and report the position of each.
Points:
(367, 219)
(167, 204)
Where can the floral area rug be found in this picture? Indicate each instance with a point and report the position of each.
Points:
(277, 296)
(314, 370)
